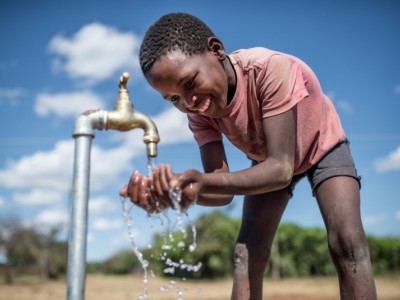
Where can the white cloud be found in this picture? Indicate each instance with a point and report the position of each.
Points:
(53, 169)
(398, 215)
(67, 104)
(42, 170)
(38, 197)
(389, 163)
(108, 164)
(373, 220)
(52, 217)
(173, 127)
(11, 96)
(2, 201)
(95, 52)
(106, 224)
(102, 204)
(46, 175)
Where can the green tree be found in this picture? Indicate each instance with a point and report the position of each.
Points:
(303, 252)
(27, 248)
(123, 262)
(385, 254)
(297, 251)
(216, 236)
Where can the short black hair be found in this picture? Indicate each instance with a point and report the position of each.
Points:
(175, 31)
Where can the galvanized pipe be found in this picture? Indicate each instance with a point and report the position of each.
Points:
(122, 118)
(78, 228)
(83, 134)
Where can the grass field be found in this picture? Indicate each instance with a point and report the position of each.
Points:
(101, 287)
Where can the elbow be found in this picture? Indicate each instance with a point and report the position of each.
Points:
(284, 175)
(226, 200)
(215, 200)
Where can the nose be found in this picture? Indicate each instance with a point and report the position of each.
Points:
(190, 101)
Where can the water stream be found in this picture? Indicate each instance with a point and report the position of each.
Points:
(172, 225)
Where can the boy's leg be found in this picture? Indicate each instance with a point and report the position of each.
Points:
(339, 201)
(260, 220)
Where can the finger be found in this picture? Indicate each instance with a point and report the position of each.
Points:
(179, 181)
(155, 204)
(149, 202)
(168, 172)
(133, 187)
(153, 198)
(142, 192)
(124, 191)
(144, 195)
(159, 194)
(156, 182)
(164, 180)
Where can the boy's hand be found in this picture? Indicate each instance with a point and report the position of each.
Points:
(190, 182)
(165, 180)
(153, 194)
(141, 192)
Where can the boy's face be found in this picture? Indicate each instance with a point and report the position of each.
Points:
(196, 83)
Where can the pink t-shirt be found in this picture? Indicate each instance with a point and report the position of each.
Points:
(270, 83)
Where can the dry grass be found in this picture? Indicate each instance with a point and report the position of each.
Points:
(101, 287)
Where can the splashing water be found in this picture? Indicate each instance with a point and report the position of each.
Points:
(193, 245)
(126, 208)
(177, 224)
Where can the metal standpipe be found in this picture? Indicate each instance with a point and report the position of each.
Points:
(122, 118)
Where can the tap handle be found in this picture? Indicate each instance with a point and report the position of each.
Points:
(123, 80)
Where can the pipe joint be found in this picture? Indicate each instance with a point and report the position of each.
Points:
(88, 121)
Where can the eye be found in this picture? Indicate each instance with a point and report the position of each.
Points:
(190, 83)
(174, 99)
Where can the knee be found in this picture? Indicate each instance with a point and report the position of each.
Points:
(349, 247)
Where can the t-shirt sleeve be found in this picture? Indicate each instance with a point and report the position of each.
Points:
(281, 85)
(203, 130)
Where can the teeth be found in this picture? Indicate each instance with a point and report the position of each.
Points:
(204, 106)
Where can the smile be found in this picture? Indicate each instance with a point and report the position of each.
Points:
(202, 106)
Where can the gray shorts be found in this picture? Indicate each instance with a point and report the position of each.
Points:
(337, 162)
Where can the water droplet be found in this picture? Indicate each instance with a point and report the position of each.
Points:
(192, 247)
(172, 283)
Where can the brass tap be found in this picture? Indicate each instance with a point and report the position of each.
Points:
(124, 118)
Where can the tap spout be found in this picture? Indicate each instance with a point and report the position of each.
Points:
(124, 118)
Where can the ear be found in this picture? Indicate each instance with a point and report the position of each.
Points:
(215, 45)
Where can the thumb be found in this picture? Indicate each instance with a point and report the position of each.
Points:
(124, 191)
(182, 180)
(175, 182)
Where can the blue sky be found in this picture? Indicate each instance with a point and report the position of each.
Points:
(60, 58)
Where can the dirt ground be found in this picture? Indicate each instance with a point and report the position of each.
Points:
(101, 287)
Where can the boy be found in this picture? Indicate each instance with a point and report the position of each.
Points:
(270, 105)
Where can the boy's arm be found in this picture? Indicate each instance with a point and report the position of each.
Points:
(274, 173)
(214, 160)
